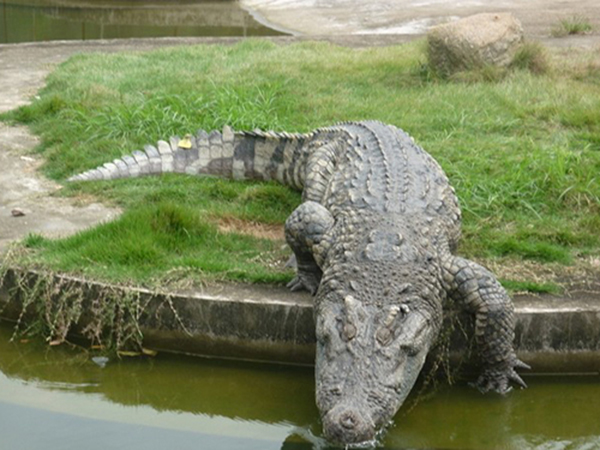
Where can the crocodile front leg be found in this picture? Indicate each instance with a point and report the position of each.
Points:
(478, 290)
(305, 231)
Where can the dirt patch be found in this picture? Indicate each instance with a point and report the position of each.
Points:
(581, 278)
(272, 232)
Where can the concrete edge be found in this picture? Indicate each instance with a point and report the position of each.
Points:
(553, 335)
(201, 323)
(144, 44)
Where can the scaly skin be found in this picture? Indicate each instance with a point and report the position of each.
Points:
(373, 241)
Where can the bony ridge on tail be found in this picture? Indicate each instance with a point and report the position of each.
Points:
(373, 239)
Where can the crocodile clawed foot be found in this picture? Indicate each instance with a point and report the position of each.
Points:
(306, 282)
(499, 379)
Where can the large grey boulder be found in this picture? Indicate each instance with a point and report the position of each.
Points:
(475, 41)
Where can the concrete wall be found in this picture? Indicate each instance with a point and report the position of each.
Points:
(553, 334)
(204, 14)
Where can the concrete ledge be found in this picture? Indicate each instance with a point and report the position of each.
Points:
(553, 334)
(241, 322)
(557, 334)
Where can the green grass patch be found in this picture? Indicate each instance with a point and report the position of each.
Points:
(571, 25)
(522, 150)
(211, 197)
(146, 243)
(530, 286)
(531, 56)
(532, 249)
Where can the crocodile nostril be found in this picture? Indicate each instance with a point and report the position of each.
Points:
(348, 425)
(348, 420)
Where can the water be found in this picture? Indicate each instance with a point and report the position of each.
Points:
(46, 20)
(59, 399)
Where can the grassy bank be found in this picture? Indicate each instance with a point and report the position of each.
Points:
(522, 150)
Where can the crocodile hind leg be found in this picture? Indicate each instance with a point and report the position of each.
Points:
(479, 291)
(305, 231)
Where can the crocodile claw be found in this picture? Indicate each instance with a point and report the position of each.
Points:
(498, 379)
(304, 281)
(518, 364)
(514, 376)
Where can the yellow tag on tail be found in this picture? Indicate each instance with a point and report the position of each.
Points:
(186, 142)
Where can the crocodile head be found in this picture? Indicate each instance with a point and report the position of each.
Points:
(368, 358)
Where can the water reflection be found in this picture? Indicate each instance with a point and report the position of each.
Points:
(44, 20)
(54, 398)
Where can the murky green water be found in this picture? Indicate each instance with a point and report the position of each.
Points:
(46, 20)
(59, 399)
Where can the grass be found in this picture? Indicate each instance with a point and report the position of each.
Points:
(149, 242)
(531, 56)
(523, 150)
(530, 286)
(571, 26)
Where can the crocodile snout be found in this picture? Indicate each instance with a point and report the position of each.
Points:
(348, 425)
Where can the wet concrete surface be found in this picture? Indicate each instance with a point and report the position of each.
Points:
(412, 17)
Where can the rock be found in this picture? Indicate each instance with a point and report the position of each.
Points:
(17, 212)
(476, 41)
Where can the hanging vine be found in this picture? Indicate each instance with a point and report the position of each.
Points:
(45, 304)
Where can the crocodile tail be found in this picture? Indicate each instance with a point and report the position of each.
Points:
(259, 155)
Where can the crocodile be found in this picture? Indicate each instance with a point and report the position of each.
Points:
(374, 240)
